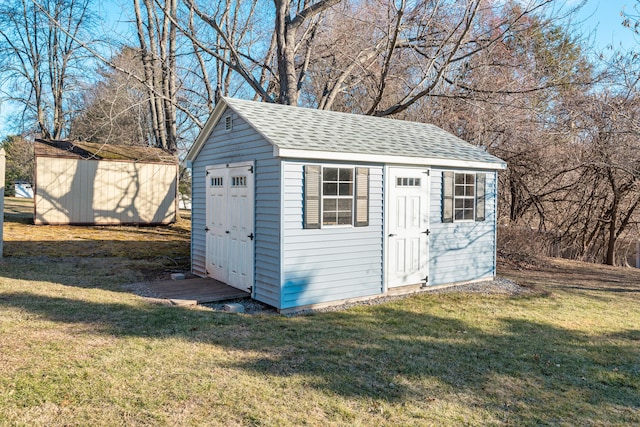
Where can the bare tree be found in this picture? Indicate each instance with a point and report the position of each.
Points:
(610, 161)
(229, 23)
(380, 57)
(157, 37)
(114, 109)
(41, 63)
(20, 159)
(631, 17)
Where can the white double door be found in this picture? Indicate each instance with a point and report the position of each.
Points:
(230, 224)
(406, 226)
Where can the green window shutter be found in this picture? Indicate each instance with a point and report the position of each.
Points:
(361, 214)
(311, 203)
(480, 196)
(447, 196)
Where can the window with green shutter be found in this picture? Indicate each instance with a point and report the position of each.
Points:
(463, 196)
(335, 195)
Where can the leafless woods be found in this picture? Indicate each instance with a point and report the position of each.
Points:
(510, 76)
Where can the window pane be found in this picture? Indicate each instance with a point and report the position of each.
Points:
(470, 179)
(330, 189)
(344, 218)
(459, 203)
(329, 218)
(346, 189)
(459, 190)
(468, 204)
(459, 178)
(330, 204)
(470, 190)
(346, 174)
(330, 174)
(345, 204)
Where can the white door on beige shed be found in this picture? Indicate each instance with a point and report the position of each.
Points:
(407, 213)
(230, 224)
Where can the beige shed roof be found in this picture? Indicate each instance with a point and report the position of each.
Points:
(95, 151)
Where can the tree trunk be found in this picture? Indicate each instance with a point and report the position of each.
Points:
(285, 36)
(610, 258)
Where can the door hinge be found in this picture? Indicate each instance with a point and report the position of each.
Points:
(250, 236)
(427, 232)
(428, 172)
(207, 173)
(251, 169)
(206, 229)
(425, 281)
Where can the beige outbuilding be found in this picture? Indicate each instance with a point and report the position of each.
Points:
(99, 184)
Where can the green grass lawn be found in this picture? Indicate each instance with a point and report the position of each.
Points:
(77, 347)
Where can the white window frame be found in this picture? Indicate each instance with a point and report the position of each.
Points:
(450, 196)
(337, 197)
(359, 196)
(464, 197)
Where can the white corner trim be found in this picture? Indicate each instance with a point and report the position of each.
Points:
(385, 159)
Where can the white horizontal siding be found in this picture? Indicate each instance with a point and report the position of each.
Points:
(241, 144)
(461, 251)
(332, 263)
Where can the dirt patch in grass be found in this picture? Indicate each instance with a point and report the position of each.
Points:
(555, 274)
(22, 238)
(17, 209)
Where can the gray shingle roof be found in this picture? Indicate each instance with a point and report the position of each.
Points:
(298, 128)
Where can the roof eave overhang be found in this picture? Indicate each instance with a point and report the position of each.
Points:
(386, 159)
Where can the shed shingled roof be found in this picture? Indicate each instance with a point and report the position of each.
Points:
(96, 151)
(295, 128)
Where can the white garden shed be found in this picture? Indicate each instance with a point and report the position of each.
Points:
(86, 183)
(304, 208)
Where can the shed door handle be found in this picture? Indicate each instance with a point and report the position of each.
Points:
(392, 235)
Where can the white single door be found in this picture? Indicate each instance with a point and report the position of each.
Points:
(230, 224)
(407, 226)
